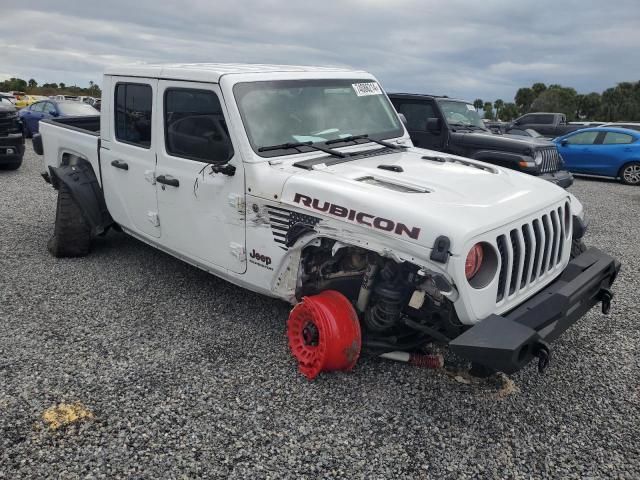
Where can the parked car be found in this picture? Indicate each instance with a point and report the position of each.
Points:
(34, 113)
(11, 138)
(22, 99)
(629, 125)
(301, 183)
(603, 151)
(65, 97)
(454, 126)
(549, 125)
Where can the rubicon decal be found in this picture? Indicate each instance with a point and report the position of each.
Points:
(361, 218)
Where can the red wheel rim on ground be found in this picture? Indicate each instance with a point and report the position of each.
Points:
(324, 334)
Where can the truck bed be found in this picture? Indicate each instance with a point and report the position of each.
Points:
(69, 137)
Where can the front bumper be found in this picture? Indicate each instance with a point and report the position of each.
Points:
(11, 147)
(562, 178)
(508, 342)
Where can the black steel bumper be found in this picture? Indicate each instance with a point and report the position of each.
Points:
(562, 178)
(11, 147)
(508, 342)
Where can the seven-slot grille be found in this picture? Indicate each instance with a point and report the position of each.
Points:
(532, 251)
(550, 160)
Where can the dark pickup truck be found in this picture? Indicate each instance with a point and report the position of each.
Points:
(11, 138)
(549, 125)
(454, 126)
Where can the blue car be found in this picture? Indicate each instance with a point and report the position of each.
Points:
(603, 151)
(44, 109)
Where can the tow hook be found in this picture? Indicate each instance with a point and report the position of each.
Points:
(605, 296)
(542, 351)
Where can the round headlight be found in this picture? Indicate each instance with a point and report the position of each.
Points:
(474, 261)
(538, 158)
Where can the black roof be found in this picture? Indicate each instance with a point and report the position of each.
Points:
(425, 95)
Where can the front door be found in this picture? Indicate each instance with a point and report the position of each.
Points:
(578, 151)
(417, 112)
(202, 212)
(128, 161)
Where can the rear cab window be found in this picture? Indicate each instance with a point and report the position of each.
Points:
(133, 105)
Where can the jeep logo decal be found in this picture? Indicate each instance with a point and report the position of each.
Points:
(362, 218)
(259, 259)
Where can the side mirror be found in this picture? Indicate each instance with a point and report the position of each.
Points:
(516, 122)
(53, 113)
(403, 119)
(564, 142)
(433, 125)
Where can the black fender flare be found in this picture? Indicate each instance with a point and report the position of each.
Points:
(36, 140)
(85, 190)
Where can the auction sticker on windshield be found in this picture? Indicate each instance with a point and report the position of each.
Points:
(369, 88)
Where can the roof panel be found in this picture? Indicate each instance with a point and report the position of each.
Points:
(210, 72)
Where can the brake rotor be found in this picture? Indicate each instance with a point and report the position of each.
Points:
(324, 334)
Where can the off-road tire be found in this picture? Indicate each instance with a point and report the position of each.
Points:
(577, 248)
(11, 166)
(71, 233)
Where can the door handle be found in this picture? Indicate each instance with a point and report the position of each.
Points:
(167, 180)
(120, 164)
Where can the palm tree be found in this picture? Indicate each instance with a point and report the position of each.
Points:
(478, 104)
(498, 104)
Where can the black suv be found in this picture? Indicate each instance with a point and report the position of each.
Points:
(454, 126)
(11, 138)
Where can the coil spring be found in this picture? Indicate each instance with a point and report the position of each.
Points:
(385, 314)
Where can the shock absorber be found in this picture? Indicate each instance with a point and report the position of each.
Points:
(387, 309)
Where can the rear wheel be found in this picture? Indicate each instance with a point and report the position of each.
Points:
(71, 234)
(630, 174)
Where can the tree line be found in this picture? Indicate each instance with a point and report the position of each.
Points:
(619, 103)
(31, 87)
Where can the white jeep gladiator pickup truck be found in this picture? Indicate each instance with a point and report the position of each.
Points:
(302, 183)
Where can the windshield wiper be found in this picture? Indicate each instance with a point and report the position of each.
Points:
(353, 138)
(470, 127)
(297, 145)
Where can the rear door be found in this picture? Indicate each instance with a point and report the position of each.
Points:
(202, 212)
(129, 159)
(617, 148)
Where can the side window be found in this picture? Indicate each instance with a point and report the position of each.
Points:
(583, 138)
(48, 107)
(615, 137)
(194, 126)
(133, 113)
(37, 107)
(416, 114)
(541, 119)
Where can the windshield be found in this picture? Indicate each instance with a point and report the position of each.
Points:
(77, 109)
(460, 113)
(281, 112)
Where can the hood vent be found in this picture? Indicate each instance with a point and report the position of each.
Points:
(443, 159)
(396, 187)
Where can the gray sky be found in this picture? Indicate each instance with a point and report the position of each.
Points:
(467, 49)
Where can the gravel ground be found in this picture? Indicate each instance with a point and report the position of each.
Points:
(186, 375)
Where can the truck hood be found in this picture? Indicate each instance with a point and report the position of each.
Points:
(459, 198)
(504, 143)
